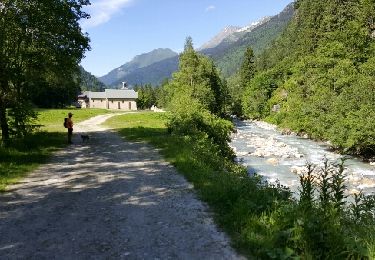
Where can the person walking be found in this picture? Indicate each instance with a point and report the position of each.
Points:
(70, 128)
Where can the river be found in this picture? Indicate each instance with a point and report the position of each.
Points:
(264, 150)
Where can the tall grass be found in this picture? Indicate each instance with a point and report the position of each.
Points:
(263, 220)
(24, 155)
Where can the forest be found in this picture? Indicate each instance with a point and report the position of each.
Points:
(318, 76)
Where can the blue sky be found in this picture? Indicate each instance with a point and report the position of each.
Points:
(122, 29)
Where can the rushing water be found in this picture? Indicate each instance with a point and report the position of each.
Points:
(265, 151)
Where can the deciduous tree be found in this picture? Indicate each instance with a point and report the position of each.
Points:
(41, 44)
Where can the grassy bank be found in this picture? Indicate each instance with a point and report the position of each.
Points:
(263, 221)
(227, 193)
(25, 155)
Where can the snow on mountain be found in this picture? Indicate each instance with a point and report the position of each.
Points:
(232, 33)
(227, 31)
(254, 25)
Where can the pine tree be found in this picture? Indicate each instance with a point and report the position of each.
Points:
(247, 69)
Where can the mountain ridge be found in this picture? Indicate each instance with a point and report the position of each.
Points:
(138, 62)
(232, 33)
(227, 54)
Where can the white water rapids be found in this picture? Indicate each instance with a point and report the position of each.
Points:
(265, 151)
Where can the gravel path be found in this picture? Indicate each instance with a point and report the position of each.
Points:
(107, 199)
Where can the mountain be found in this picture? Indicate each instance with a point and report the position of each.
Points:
(153, 74)
(124, 73)
(226, 49)
(228, 55)
(89, 82)
(229, 35)
(225, 33)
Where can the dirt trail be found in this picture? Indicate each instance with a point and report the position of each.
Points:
(107, 199)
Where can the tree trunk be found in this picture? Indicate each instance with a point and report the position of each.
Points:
(4, 123)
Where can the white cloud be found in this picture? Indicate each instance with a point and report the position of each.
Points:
(101, 11)
(210, 8)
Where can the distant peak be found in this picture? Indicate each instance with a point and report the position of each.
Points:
(254, 25)
(226, 32)
(232, 33)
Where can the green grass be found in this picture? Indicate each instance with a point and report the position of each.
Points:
(52, 119)
(263, 221)
(231, 196)
(23, 156)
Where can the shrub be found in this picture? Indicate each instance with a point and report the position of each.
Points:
(189, 118)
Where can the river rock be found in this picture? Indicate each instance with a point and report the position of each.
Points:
(265, 125)
(273, 161)
(367, 183)
(297, 169)
(286, 131)
(354, 191)
(299, 155)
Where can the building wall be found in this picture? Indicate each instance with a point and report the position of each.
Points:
(98, 103)
(83, 103)
(122, 104)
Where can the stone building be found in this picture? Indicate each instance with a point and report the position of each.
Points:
(120, 99)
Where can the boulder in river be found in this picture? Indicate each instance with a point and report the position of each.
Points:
(297, 169)
(273, 161)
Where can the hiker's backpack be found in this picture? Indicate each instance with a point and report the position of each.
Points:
(66, 122)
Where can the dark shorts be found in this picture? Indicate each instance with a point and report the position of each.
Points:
(70, 131)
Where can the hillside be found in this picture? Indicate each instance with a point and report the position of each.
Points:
(231, 38)
(89, 82)
(125, 72)
(220, 37)
(228, 57)
(318, 77)
(153, 74)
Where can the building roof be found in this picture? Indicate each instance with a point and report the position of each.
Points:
(114, 93)
(121, 93)
(97, 95)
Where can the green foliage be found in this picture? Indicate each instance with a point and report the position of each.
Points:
(192, 120)
(229, 58)
(224, 185)
(247, 69)
(238, 82)
(198, 79)
(25, 154)
(328, 224)
(256, 95)
(89, 82)
(41, 44)
(22, 119)
(264, 221)
(197, 98)
(322, 69)
(146, 96)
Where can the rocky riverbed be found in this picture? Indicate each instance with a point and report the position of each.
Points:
(278, 157)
